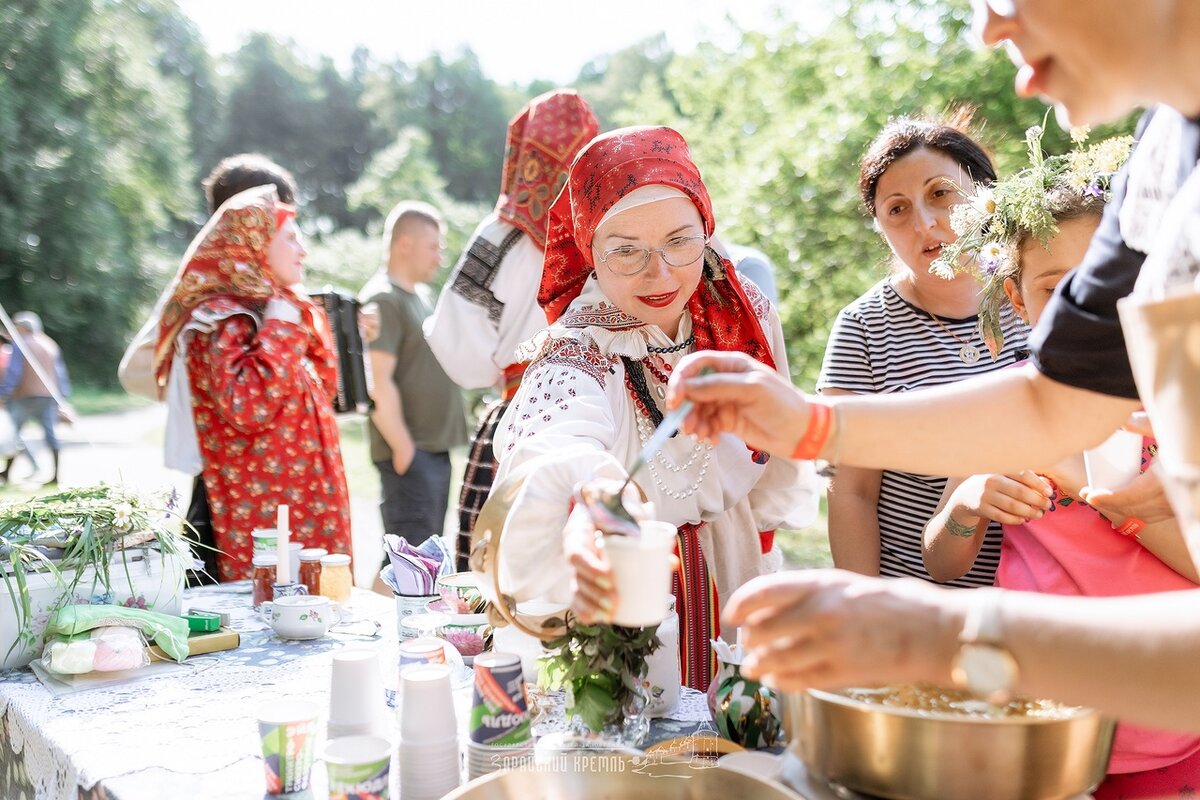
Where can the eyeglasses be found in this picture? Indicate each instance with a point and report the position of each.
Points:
(681, 251)
(1005, 9)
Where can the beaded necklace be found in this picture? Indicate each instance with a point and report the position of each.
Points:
(649, 417)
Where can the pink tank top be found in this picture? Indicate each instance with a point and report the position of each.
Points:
(1073, 550)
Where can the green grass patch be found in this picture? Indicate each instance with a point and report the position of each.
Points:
(101, 400)
(808, 548)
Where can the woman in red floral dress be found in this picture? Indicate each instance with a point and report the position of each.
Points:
(258, 366)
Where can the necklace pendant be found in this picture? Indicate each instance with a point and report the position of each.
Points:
(969, 354)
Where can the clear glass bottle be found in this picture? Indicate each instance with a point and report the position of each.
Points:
(336, 580)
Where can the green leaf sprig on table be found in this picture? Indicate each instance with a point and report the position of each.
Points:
(601, 668)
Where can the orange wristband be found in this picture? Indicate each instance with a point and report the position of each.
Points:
(1132, 526)
(816, 434)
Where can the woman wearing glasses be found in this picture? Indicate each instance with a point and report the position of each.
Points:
(630, 286)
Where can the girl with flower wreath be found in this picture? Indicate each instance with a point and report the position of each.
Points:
(630, 286)
(1070, 548)
(249, 372)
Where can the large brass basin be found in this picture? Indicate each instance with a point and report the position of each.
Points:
(595, 776)
(898, 753)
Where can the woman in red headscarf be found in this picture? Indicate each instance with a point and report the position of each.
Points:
(630, 286)
(489, 305)
(248, 360)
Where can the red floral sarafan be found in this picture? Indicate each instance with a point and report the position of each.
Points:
(542, 140)
(261, 391)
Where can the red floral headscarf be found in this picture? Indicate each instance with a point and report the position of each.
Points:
(542, 140)
(228, 260)
(609, 168)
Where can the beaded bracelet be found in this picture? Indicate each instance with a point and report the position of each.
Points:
(816, 434)
(1132, 526)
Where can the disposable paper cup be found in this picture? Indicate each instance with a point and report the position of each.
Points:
(1115, 461)
(359, 767)
(641, 568)
(265, 541)
(288, 729)
(406, 606)
(427, 705)
(356, 694)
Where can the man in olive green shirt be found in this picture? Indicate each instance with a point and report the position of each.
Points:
(418, 415)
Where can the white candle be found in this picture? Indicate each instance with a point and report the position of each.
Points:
(283, 572)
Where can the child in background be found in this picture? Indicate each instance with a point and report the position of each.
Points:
(1071, 549)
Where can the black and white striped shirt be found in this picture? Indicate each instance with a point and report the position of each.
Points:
(881, 344)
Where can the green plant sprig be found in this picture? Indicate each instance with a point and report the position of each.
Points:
(90, 525)
(600, 667)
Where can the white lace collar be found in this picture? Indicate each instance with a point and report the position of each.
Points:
(592, 317)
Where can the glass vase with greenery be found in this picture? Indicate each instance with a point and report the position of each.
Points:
(602, 669)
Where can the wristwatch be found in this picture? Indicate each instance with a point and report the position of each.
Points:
(983, 666)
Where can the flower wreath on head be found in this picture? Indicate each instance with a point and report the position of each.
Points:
(996, 219)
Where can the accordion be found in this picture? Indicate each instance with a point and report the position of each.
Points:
(341, 310)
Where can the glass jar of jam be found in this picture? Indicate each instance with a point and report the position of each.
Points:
(263, 578)
(335, 577)
(310, 568)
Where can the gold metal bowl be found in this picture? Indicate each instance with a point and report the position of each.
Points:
(583, 776)
(908, 755)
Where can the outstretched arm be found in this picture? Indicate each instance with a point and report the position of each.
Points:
(895, 431)
(833, 629)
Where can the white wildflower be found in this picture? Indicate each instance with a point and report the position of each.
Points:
(983, 201)
(942, 268)
(992, 252)
(965, 218)
(122, 516)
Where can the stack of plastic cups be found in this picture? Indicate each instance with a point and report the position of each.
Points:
(500, 735)
(429, 760)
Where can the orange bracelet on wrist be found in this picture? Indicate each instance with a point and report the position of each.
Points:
(1132, 526)
(816, 434)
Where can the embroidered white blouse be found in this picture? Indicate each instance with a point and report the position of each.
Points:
(471, 346)
(573, 419)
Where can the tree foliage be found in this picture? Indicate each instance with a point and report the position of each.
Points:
(111, 110)
(91, 178)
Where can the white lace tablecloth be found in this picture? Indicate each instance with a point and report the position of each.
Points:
(193, 733)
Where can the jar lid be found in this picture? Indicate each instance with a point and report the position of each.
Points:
(265, 532)
(265, 560)
(335, 560)
(312, 553)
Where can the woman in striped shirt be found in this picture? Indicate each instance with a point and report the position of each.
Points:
(911, 330)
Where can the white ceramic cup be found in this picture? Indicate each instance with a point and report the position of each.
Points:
(300, 616)
(356, 700)
(426, 704)
(641, 568)
(1115, 461)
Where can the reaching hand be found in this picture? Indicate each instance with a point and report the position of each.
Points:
(1143, 498)
(741, 396)
(369, 322)
(831, 629)
(1007, 499)
(593, 594)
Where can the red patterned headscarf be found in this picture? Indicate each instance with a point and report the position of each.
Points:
(542, 140)
(610, 167)
(228, 260)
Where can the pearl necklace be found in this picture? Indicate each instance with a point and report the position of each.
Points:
(646, 419)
